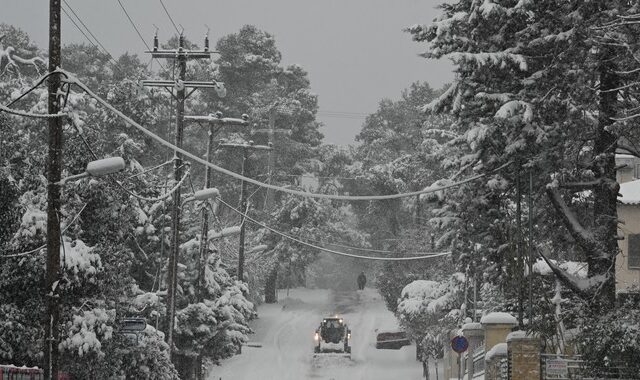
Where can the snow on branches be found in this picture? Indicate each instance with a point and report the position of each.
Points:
(12, 59)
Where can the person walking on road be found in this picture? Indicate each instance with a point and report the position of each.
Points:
(362, 280)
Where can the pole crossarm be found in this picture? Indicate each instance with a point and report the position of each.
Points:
(267, 130)
(181, 53)
(215, 120)
(245, 146)
(186, 84)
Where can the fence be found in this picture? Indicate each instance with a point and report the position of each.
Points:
(478, 360)
(562, 367)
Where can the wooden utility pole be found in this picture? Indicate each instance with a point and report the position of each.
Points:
(271, 131)
(246, 149)
(530, 246)
(54, 171)
(181, 86)
(520, 265)
(216, 122)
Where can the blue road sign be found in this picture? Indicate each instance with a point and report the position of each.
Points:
(459, 344)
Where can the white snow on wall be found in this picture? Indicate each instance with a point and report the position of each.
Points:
(499, 318)
(498, 349)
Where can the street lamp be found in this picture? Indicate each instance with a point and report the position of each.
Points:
(200, 195)
(203, 195)
(98, 168)
(94, 168)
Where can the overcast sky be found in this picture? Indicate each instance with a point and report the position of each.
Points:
(354, 50)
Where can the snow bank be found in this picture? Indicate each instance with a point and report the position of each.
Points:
(499, 318)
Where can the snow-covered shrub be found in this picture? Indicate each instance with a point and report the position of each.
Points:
(611, 340)
(428, 307)
(86, 332)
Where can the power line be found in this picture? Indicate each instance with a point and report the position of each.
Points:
(170, 18)
(431, 189)
(88, 30)
(133, 24)
(345, 112)
(247, 217)
(45, 245)
(115, 63)
(28, 114)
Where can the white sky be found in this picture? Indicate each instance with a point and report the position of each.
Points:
(354, 50)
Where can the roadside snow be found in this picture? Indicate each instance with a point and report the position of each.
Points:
(285, 333)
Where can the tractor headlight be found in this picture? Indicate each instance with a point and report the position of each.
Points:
(349, 336)
(316, 337)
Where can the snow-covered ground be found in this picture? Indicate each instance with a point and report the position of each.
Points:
(285, 332)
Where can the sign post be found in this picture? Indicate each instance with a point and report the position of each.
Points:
(557, 367)
(459, 344)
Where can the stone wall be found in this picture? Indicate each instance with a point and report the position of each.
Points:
(524, 351)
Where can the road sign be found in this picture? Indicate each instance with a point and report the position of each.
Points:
(459, 344)
(133, 324)
(557, 367)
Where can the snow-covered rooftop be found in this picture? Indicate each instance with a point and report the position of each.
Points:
(499, 318)
(630, 193)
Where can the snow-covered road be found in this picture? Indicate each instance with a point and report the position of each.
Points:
(285, 331)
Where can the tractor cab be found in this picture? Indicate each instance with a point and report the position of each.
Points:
(333, 336)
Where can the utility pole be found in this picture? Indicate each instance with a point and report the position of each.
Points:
(271, 131)
(520, 266)
(246, 149)
(530, 246)
(215, 122)
(181, 85)
(54, 171)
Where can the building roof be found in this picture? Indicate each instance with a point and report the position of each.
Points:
(630, 193)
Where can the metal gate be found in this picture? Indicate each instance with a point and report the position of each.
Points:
(563, 367)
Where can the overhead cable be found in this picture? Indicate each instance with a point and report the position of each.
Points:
(113, 61)
(89, 30)
(286, 236)
(169, 15)
(45, 245)
(133, 24)
(431, 189)
(28, 114)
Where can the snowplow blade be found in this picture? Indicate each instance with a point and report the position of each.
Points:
(332, 354)
(331, 359)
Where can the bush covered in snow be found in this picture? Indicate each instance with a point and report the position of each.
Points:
(611, 340)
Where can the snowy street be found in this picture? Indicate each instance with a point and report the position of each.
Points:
(285, 331)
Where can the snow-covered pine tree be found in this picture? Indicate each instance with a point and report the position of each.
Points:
(538, 85)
